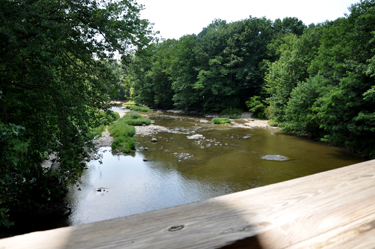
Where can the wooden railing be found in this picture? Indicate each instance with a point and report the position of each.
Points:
(333, 209)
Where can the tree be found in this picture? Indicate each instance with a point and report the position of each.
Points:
(211, 80)
(184, 75)
(143, 85)
(161, 73)
(289, 25)
(346, 114)
(153, 85)
(230, 62)
(123, 76)
(335, 104)
(301, 109)
(295, 56)
(53, 84)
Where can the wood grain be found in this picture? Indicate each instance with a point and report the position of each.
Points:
(333, 209)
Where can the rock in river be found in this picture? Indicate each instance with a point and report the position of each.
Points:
(247, 136)
(275, 158)
(154, 140)
(101, 189)
(196, 136)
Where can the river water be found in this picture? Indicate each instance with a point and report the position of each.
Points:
(182, 170)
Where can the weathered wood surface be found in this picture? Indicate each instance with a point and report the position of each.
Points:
(333, 209)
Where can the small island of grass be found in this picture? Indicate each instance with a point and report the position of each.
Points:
(123, 131)
(138, 108)
(220, 120)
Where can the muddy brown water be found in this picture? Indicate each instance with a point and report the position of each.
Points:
(182, 170)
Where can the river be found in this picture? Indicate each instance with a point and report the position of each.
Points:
(180, 169)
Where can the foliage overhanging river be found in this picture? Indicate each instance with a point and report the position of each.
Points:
(182, 170)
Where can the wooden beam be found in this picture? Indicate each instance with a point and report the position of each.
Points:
(333, 209)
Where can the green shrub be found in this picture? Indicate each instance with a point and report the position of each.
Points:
(138, 122)
(116, 116)
(96, 132)
(129, 103)
(4, 218)
(231, 110)
(138, 108)
(273, 123)
(125, 144)
(134, 118)
(121, 129)
(108, 117)
(220, 120)
(123, 135)
(132, 115)
(257, 107)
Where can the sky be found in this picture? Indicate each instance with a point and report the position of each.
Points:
(175, 18)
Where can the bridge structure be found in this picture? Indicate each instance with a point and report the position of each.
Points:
(332, 209)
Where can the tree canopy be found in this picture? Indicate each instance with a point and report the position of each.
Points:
(322, 83)
(219, 68)
(54, 82)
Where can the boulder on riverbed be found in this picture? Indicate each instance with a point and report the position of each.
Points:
(276, 158)
(154, 140)
(247, 136)
(196, 136)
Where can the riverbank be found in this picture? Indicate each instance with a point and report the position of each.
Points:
(252, 123)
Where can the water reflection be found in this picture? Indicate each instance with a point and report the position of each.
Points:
(133, 187)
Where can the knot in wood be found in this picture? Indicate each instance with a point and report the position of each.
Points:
(175, 228)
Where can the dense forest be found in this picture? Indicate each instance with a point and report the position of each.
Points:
(58, 73)
(315, 80)
(55, 79)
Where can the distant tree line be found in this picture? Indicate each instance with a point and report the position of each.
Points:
(219, 68)
(315, 80)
